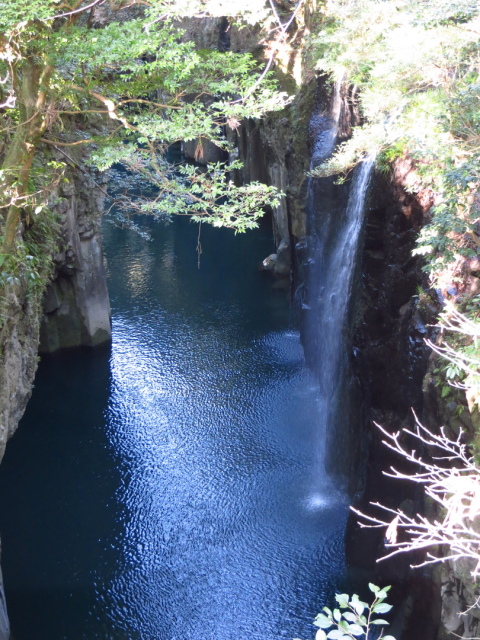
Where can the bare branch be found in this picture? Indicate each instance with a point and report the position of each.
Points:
(65, 144)
(77, 10)
(447, 471)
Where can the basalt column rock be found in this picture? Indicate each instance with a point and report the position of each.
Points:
(76, 304)
(390, 357)
(76, 311)
(18, 363)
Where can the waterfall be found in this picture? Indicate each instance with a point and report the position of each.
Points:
(335, 224)
(324, 127)
(332, 274)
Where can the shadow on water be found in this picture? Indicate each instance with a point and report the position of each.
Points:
(55, 509)
(164, 492)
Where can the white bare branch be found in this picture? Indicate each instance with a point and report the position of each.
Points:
(447, 471)
(452, 480)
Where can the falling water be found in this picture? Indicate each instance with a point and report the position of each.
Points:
(324, 127)
(335, 259)
(336, 221)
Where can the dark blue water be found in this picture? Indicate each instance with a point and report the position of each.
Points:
(174, 488)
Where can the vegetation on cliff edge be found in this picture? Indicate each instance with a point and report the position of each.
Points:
(122, 73)
(415, 66)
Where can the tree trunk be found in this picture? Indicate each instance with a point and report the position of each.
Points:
(32, 82)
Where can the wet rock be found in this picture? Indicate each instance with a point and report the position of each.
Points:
(203, 151)
(269, 263)
(460, 613)
(282, 284)
(283, 261)
(4, 622)
(473, 286)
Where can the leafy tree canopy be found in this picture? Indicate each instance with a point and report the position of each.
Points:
(122, 70)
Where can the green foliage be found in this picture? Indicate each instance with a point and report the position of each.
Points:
(416, 67)
(206, 195)
(354, 618)
(15, 16)
(31, 265)
(457, 375)
(30, 268)
(140, 88)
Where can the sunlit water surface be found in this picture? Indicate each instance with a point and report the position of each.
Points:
(173, 489)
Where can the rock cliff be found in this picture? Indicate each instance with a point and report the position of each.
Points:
(74, 311)
(76, 308)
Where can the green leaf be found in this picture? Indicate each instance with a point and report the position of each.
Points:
(355, 630)
(322, 621)
(388, 638)
(379, 621)
(446, 390)
(351, 617)
(382, 607)
(373, 587)
(335, 634)
(320, 635)
(357, 604)
(342, 599)
(343, 624)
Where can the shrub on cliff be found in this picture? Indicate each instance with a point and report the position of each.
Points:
(416, 71)
(446, 467)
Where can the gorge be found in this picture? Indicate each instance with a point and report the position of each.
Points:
(192, 478)
(187, 465)
(185, 495)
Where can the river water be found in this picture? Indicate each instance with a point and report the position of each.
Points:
(173, 487)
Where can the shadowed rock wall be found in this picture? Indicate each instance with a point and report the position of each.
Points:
(76, 310)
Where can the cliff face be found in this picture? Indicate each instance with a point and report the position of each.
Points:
(75, 311)
(76, 308)
(390, 359)
(275, 150)
(19, 342)
(396, 312)
(18, 363)
(460, 612)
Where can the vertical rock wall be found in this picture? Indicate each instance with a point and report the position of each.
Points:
(275, 151)
(18, 363)
(76, 305)
(390, 358)
(76, 311)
